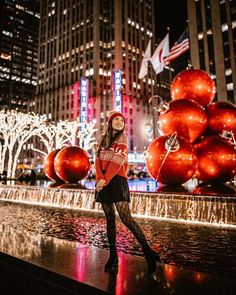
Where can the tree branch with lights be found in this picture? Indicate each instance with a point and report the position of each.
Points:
(16, 129)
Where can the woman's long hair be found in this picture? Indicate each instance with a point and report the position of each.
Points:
(108, 139)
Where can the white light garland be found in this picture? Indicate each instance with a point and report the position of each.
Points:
(16, 129)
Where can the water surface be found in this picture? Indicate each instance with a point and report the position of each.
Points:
(202, 248)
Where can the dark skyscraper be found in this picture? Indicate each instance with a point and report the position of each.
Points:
(212, 30)
(90, 53)
(19, 23)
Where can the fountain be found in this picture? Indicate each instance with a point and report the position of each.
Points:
(199, 207)
(219, 210)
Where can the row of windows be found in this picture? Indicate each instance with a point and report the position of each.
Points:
(207, 44)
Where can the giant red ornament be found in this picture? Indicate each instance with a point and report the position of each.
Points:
(221, 117)
(193, 84)
(48, 166)
(72, 164)
(171, 160)
(216, 159)
(186, 117)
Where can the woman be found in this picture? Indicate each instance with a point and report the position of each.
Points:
(112, 189)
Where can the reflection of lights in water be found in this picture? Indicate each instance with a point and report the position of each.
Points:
(121, 282)
(170, 273)
(199, 277)
(81, 264)
(26, 244)
(179, 244)
(20, 245)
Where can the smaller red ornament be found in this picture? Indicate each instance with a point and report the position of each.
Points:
(186, 117)
(221, 117)
(72, 164)
(193, 84)
(216, 159)
(48, 167)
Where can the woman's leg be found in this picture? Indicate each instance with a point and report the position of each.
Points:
(109, 211)
(126, 217)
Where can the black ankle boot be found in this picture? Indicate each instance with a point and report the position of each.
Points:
(112, 262)
(151, 257)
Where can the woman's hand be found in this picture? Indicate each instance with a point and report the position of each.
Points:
(100, 185)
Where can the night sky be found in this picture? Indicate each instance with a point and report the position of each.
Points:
(173, 14)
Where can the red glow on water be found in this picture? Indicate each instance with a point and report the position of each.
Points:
(199, 277)
(170, 273)
(80, 271)
(121, 282)
(157, 247)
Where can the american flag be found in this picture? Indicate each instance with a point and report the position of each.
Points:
(180, 46)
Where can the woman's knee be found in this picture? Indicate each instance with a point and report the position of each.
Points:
(111, 217)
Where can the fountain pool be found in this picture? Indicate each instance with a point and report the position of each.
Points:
(201, 248)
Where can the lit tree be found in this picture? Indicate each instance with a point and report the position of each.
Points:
(53, 136)
(66, 133)
(69, 131)
(4, 138)
(86, 135)
(46, 133)
(16, 129)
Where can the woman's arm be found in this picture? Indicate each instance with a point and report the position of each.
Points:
(119, 158)
(99, 175)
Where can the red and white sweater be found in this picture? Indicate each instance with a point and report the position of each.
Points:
(114, 160)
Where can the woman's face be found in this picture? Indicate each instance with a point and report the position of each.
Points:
(118, 123)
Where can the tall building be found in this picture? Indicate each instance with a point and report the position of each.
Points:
(19, 22)
(212, 30)
(90, 53)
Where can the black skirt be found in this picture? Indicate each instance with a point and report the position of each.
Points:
(117, 190)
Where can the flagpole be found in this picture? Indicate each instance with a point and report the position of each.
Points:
(153, 109)
(152, 86)
(170, 74)
(189, 61)
(157, 66)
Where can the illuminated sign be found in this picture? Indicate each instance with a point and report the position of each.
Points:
(117, 87)
(136, 158)
(83, 100)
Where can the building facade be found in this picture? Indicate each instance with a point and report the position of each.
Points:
(212, 32)
(90, 53)
(19, 22)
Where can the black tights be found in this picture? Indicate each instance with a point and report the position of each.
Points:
(125, 216)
